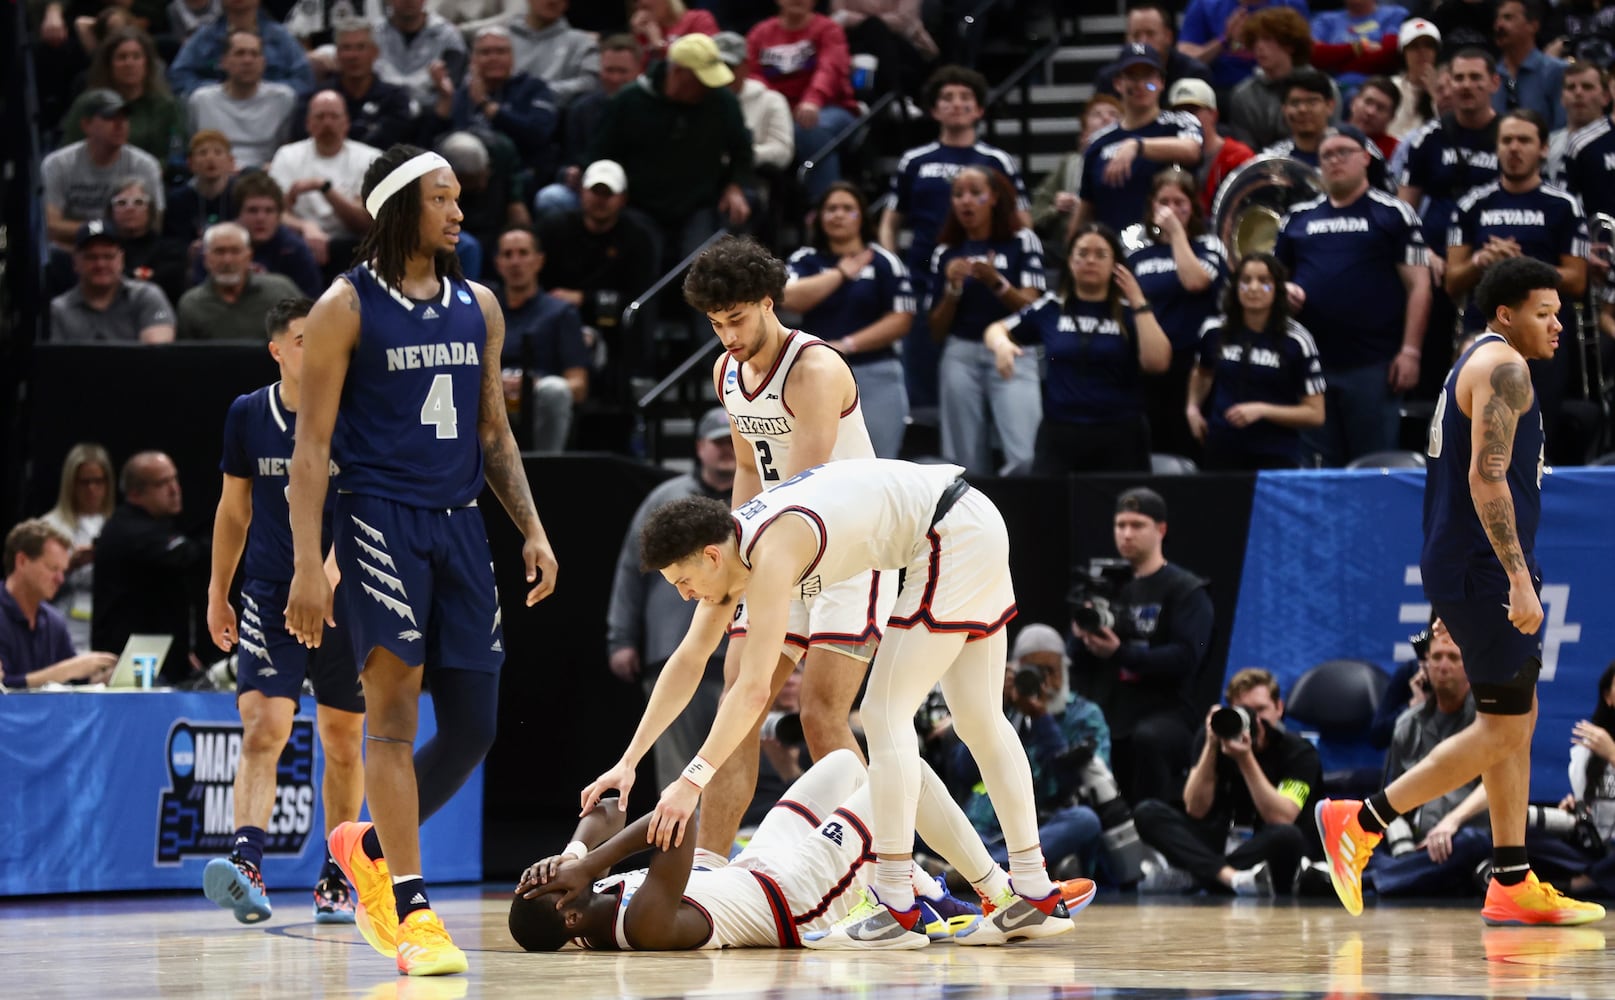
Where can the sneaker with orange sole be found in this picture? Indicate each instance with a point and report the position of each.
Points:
(1534, 902)
(425, 948)
(375, 912)
(1348, 847)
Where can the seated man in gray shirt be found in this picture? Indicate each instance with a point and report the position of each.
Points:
(231, 302)
(79, 177)
(254, 113)
(106, 307)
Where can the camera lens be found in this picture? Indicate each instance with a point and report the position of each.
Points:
(1228, 723)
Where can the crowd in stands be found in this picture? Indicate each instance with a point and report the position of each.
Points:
(207, 161)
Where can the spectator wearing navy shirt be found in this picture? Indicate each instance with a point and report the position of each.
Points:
(1456, 153)
(276, 248)
(380, 114)
(1122, 160)
(35, 648)
(1361, 285)
(1098, 336)
(1589, 166)
(1258, 380)
(1310, 104)
(1518, 215)
(1531, 79)
(1182, 270)
(984, 269)
(1585, 95)
(543, 341)
(922, 192)
(857, 295)
(496, 101)
(1211, 34)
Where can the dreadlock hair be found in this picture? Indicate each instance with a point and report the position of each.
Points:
(680, 528)
(396, 235)
(737, 270)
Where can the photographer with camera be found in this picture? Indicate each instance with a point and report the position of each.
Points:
(1408, 688)
(1063, 736)
(1141, 631)
(1250, 773)
(1434, 849)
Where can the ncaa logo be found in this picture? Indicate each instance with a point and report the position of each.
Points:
(465, 296)
(182, 753)
(731, 377)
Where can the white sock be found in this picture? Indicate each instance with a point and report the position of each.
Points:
(894, 883)
(403, 878)
(925, 885)
(709, 859)
(993, 885)
(1028, 872)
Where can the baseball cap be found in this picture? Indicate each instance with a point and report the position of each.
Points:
(104, 103)
(1142, 500)
(1351, 132)
(607, 172)
(714, 425)
(1415, 28)
(731, 47)
(699, 54)
(1038, 638)
(95, 231)
(1138, 54)
(1190, 91)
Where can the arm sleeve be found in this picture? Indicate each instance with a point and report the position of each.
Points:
(1187, 638)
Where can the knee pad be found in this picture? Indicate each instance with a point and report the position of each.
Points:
(1513, 696)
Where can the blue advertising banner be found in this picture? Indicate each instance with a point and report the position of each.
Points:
(1332, 570)
(132, 790)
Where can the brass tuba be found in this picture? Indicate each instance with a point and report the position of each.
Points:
(1254, 199)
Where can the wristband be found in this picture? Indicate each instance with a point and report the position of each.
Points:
(1146, 307)
(577, 849)
(698, 772)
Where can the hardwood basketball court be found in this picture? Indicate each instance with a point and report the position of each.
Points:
(181, 946)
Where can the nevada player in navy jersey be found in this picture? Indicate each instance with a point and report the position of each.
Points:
(271, 664)
(1520, 216)
(1122, 159)
(1482, 501)
(1359, 283)
(408, 351)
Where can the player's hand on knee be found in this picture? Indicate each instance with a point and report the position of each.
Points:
(541, 570)
(620, 777)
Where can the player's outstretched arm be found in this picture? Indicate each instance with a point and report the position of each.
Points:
(502, 461)
(675, 686)
(329, 337)
(230, 523)
(1499, 392)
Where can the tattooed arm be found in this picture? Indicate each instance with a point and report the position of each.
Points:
(1498, 397)
(502, 462)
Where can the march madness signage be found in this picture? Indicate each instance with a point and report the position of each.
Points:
(196, 813)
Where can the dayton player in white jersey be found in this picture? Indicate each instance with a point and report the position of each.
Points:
(793, 404)
(805, 869)
(811, 532)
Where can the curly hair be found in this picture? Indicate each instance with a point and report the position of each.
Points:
(679, 529)
(737, 270)
(1005, 207)
(537, 925)
(396, 235)
(954, 76)
(1283, 25)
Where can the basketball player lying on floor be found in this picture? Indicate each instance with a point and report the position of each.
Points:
(806, 868)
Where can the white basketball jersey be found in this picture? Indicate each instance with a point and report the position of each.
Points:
(760, 414)
(867, 513)
(735, 901)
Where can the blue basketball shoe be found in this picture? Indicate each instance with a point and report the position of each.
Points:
(239, 886)
(945, 917)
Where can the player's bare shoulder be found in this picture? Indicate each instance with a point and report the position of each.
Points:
(335, 319)
(1501, 369)
(820, 375)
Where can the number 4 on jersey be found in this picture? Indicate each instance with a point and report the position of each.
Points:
(438, 410)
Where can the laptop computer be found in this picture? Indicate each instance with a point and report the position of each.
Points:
(142, 655)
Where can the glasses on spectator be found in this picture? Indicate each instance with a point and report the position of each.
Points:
(1336, 154)
(134, 202)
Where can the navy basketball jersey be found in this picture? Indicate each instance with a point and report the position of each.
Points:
(1457, 549)
(412, 396)
(258, 436)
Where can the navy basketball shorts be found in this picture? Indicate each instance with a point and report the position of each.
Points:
(271, 662)
(1496, 654)
(417, 583)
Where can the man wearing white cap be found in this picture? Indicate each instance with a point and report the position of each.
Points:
(610, 259)
(680, 137)
(1219, 155)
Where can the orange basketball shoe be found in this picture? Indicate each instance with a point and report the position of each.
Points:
(425, 948)
(375, 912)
(1347, 846)
(1535, 902)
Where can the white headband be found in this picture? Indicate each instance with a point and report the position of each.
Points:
(403, 175)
